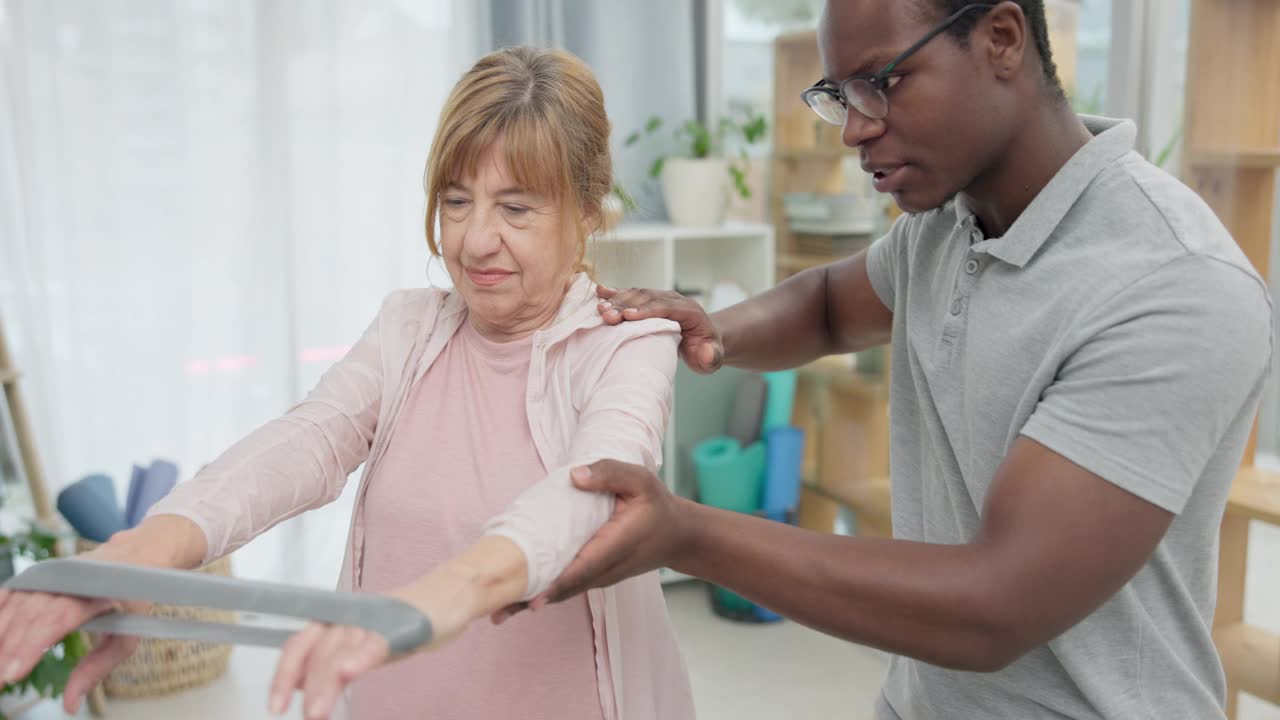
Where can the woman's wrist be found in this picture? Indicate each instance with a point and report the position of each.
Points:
(166, 541)
(486, 577)
(445, 595)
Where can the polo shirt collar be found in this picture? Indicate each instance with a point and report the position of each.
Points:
(1111, 140)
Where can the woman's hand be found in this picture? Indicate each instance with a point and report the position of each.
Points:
(701, 347)
(321, 660)
(32, 622)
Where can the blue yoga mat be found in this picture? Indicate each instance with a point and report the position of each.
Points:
(761, 613)
(784, 452)
(89, 511)
(106, 489)
(764, 614)
(137, 478)
(778, 516)
(147, 490)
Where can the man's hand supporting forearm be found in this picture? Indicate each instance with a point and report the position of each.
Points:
(1056, 541)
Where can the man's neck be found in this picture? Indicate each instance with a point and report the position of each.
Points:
(1036, 153)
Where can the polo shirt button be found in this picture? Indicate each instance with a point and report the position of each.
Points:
(971, 267)
(956, 306)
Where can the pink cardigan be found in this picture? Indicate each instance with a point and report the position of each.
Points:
(594, 392)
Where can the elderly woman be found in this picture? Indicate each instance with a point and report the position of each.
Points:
(468, 409)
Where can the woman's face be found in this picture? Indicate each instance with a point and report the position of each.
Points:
(507, 249)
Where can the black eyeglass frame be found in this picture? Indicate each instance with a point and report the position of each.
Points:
(879, 81)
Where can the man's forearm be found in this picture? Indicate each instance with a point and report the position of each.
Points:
(930, 602)
(784, 327)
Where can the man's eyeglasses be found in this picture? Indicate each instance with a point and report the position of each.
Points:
(866, 92)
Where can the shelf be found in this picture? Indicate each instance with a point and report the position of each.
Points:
(871, 496)
(836, 371)
(652, 232)
(1256, 494)
(1251, 658)
(860, 229)
(1240, 158)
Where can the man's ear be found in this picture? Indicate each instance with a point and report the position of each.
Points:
(1001, 37)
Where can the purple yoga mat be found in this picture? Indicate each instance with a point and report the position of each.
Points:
(147, 487)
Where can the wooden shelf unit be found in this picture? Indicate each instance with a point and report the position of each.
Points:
(1251, 657)
(846, 424)
(808, 155)
(1240, 158)
(1232, 151)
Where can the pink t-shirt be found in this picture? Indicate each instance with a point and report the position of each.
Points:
(461, 453)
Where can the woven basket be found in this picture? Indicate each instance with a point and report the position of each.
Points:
(161, 667)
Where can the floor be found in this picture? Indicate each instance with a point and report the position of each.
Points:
(739, 671)
(779, 670)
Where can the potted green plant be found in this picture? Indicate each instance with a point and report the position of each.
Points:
(48, 679)
(696, 178)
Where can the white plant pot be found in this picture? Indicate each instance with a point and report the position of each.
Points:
(696, 190)
(611, 210)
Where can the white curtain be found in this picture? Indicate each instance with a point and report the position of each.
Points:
(202, 203)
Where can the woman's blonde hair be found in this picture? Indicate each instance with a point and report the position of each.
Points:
(549, 109)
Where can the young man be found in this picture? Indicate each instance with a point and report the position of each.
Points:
(1078, 352)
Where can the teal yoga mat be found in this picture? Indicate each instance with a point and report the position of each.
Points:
(780, 401)
(730, 477)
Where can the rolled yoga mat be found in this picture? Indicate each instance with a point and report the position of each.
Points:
(158, 480)
(106, 489)
(90, 512)
(784, 451)
(764, 614)
(137, 476)
(781, 399)
(729, 477)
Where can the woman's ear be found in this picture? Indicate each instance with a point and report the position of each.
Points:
(591, 220)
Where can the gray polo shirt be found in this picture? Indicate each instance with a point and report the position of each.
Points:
(1118, 324)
